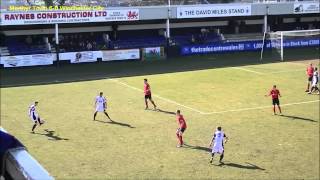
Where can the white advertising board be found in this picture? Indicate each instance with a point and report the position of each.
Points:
(80, 57)
(27, 60)
(117, 55)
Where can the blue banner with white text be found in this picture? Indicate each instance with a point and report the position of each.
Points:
(247, 46)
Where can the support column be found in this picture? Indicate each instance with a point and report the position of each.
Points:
(57, 43)
(168, 20)
(265, 22)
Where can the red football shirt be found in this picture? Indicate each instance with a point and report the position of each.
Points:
(274, 93)
(181, 121)
(310, 71)
(146, 89)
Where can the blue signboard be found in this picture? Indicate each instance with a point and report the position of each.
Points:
(246, 46)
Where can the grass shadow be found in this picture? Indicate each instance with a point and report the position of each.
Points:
(240, 166)
(299, 118)
(50, 134)
(116, 123)
(200, 148)
(166, 112)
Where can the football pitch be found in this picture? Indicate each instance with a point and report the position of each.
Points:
(141, 143)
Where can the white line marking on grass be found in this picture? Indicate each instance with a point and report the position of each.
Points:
(261, 107)
(244, 69)
(159, 97)
(278, 72)
(298, 64)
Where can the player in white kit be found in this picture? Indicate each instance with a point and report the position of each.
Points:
(100, 105)
(218, 140)
(315, 81)
(35, 118)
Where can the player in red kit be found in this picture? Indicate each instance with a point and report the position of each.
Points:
(147, 94)
(309, 73)
(181, 129)
(275, 94)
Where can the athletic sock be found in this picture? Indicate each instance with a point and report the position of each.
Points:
(180, 140)
(221, 157)
(33, 127)
(107, 114)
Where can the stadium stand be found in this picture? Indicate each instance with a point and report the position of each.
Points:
(23, 45)
(126, 39)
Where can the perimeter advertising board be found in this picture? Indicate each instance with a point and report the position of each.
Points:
(27, 60)
(246, 46)
(81, 57)
(119, 55)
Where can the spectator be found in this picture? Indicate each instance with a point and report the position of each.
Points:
(193, 39)
(222, 38)
(94, 45)
(29, 40)
(89, 46)
(82, 46)
(62, 47)
(105, 37)
(71, 46)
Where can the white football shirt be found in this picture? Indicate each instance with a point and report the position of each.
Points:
(100, 100)
(32, 111)
(219, 137)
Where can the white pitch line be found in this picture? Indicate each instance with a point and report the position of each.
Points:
(159, 97)
(261, 107)
(298, 64)
(244, 69)
(279, 72)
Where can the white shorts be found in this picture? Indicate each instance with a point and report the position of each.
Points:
(217, 149)
(100, 108)
(314, 83)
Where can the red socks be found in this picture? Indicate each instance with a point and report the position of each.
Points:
(180, 140)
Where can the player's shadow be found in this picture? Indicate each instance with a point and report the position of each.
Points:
(246, 166)
(200, 148)
(166, 112)
(298, 118)
(116, 123)
(50, 134)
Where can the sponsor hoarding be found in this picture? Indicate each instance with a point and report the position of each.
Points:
(80, 57)
(53, 17)
(301, 8)
(213, 11)
(151, 53)
(246, 46)
(27, 60)
(118, 55)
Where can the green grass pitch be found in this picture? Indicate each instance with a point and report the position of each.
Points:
(142, 144)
